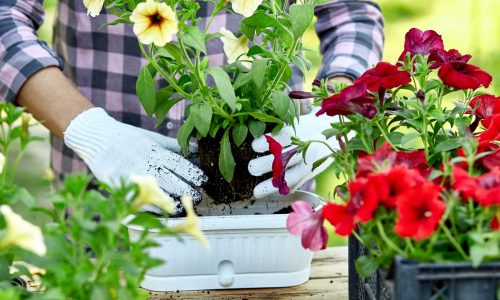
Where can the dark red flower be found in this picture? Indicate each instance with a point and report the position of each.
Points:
(441, 56)
(419, 211)
(463, 76)
(388, 186)
(418, 42)
(352, 99)
(301, 95)
(492, 132)
(484, 107)
(384, 76)
(384, 158)
(279, 164)
(360, 208)
(484, 189)
(304, 220)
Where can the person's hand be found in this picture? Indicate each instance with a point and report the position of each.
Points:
(299, 170)
(114, 151)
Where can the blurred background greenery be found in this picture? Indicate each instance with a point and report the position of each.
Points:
(471, 26)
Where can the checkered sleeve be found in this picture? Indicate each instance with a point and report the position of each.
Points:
(351, 34)
(21, 52)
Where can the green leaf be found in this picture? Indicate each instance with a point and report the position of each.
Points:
(366, 266)
(223, 84)
(300, 63)
(247, 30)
(261, 20)
(319, 162)
(184, 134)
(171, 51)
(301, 15)
(193, 37)
(22, 195)
(226, 160)
(240, 132)
(280, 102)
(450, 144)
(202, 116)
(257, 128)
(145, 89)
(264, 117)
(258, 72)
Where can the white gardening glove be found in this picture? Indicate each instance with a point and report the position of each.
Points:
(114, 151)
(299, 170)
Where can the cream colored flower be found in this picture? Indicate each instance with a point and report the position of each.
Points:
(2, 162)
(94, 7)
(191, 225)
(234, 48)
(49, 175)
(154, 22)
(151, 193)
(21, 233)
(246, 7)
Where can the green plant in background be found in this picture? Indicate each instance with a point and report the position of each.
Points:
(84, 250)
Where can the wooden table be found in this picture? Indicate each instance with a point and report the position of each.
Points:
(328, 281)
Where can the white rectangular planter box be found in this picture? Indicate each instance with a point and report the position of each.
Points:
(248, 250)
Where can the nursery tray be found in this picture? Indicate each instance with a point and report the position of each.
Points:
(250, 248)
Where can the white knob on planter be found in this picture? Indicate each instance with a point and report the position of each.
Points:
(226, 273)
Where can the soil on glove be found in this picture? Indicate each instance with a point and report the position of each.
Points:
(241, 188)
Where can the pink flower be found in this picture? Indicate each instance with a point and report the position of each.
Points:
(309, 223)
(440, 57)
(418, 42)
(279, 164)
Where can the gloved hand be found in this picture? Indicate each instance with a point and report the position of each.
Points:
(114, 150)
(310, 127)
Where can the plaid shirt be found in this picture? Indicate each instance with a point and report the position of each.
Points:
(104, 63)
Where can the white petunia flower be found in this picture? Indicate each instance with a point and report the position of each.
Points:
(234, 47)
(21, 233)
(191, 225)
(94, 7)
(154, 23)
(151, 193)
(246, 7)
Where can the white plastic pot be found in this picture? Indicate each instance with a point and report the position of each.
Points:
(250, 248)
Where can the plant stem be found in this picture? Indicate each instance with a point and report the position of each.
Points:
(384, 134)
(453, 241)
(387, 240)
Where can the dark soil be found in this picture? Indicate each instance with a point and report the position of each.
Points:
(221, 191)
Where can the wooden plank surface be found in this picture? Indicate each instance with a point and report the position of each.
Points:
(328, 281)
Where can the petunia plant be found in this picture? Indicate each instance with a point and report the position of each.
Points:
(230, 102)
(420, 159)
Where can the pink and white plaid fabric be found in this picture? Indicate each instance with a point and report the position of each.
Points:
(104, 63)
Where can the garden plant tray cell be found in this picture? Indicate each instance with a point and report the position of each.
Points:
(250, 248)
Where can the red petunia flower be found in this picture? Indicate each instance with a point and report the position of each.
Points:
(304, 220)
(383, 77)
(352, 99)
(360, 208)
(495, 225)
(440, 56)
(388, 186)
(463, 76)
(384, 158)
(279, 164)
(484, 107)
(484, 189)
(419, 211)
(418, 42)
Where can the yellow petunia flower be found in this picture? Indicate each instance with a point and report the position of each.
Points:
(154, 22)
(191, 225)
(21, 233)
(151, 193)
(94, 7)
(234, 47)
(245, 7)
